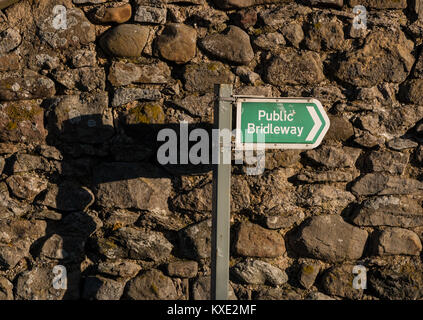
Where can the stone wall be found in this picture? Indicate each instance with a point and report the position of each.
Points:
(85, 85)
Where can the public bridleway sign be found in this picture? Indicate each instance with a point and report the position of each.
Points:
(280, 123)
(265, 123)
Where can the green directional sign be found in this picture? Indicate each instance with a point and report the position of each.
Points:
(280, 123)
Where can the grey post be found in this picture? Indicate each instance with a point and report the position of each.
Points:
(221, 200)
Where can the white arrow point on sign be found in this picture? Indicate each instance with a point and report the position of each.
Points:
(317, 123)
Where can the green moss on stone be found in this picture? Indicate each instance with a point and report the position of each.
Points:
(147, 113)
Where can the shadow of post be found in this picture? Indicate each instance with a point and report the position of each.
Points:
(85, 143)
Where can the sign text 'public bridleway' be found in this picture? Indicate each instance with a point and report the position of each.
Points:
(281, 123)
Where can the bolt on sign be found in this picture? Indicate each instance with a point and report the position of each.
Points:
(279, 123)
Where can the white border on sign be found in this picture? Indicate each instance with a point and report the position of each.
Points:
(253, 146)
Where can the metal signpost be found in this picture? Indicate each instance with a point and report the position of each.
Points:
(285, 123)
(221, 201)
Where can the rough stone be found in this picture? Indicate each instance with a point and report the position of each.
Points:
(144, 245)
(28, 87)
(119, 268)
(419, 154)
(10, 255)
(399, 144)
(277, 16)
(123, 96)
(16, 238)
(386, 125)
(202, 288)
(80, 225)
(233, 45)
(386, 161)
(417, 6)
(83, 58)
(195, 240)
(327, 176)
(240, 194)
(50, 152)
(255, 241)
(88, 1)
(287, 293)
(230, 4)
(23, 162)
(48, 215)
(151, 285)
(418, 68)
(247, 75)
(282, 158)
(333, 157)
(315, 295)
(118, 218)
(338, 281)
(202, 77)
(380, 4)
(325, 34)
(7, 3)
(183, 269)
(9, 40)
(177, 43)
(293, 32)
(6, 289)
(389, 211)
(259, 272)
(330, 238)
(247, 18)
(340, 129)
(26, 186)
(85, 118)
(412, 91)
(147, 14)
(395, 241)
(77, 31)
(125, 40)
(36, 284)
(10, 208)
(67, 196)
(145, 113)
(274, 188)
(197, 105)
(324, 198)
(196, 200)
(308, 274)
(22, 122)
(122, 74)
(284, 220)
(382, 59)
(129, 185)
(291, 68)
(10, 62)
(63, 248)
(46, 61)
(382, 184)
(109, 249)
(83, 79)
(367, 140)
(100, 288)
(120, 14)
(397, 281)
(270, 41)
(330, 3)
